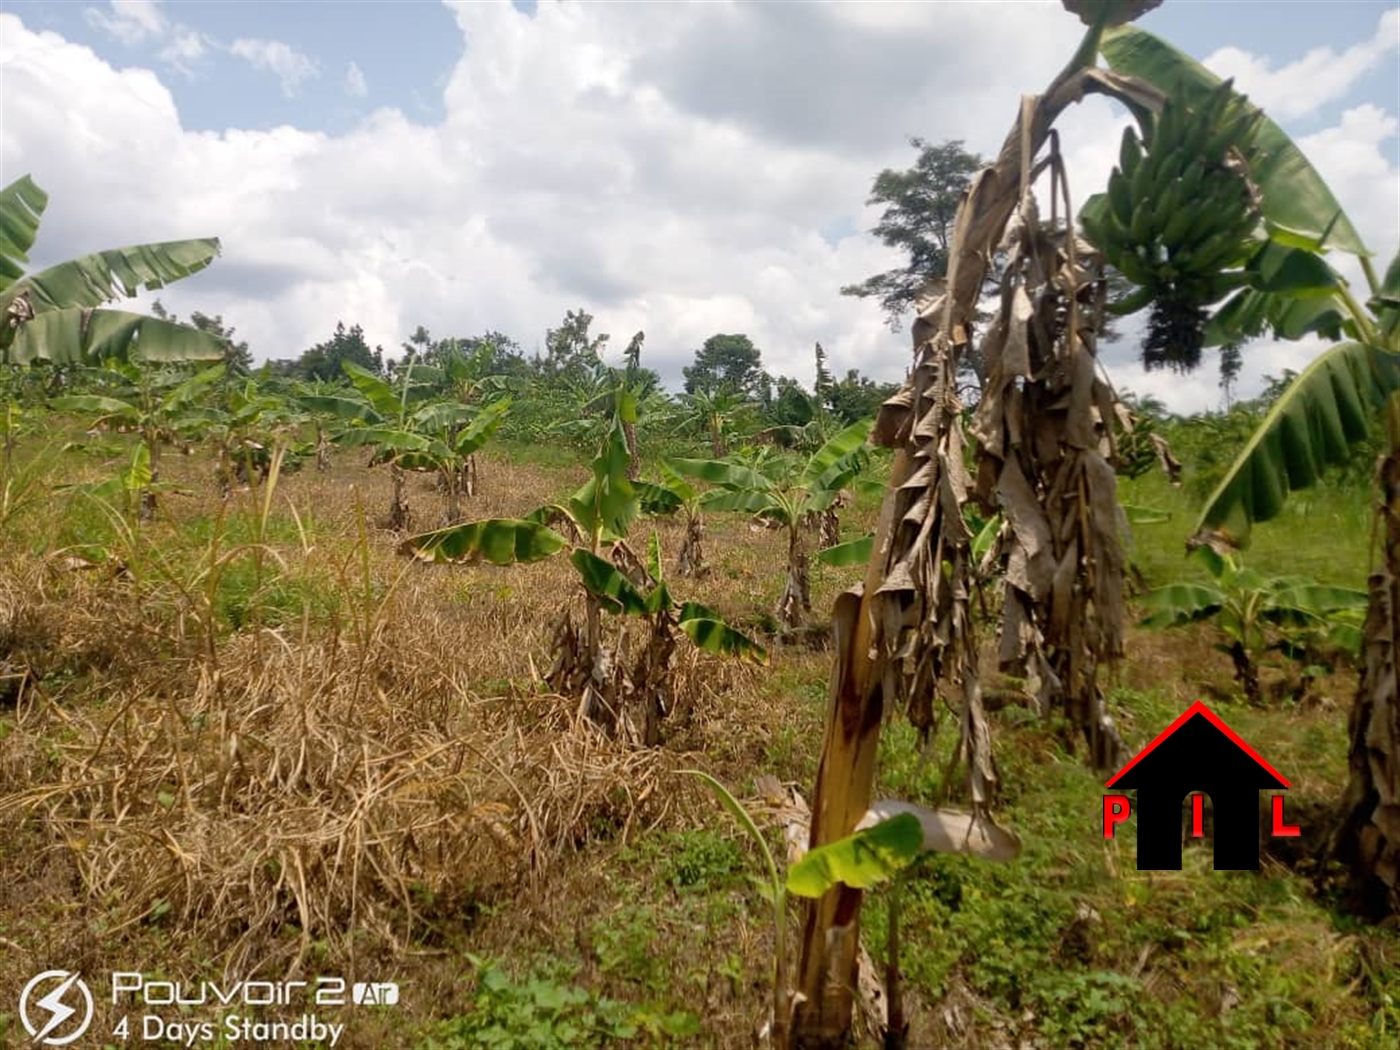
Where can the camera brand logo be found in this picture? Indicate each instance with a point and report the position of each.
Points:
(1197, 753)
(54, 1007)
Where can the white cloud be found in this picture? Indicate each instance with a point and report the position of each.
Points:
(130, 21)
(1319, 77)
(289, 65)
(580, 164)
(185, 48)
(355, 85)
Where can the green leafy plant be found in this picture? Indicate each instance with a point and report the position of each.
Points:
(159, 405)
(56, 314)
(1257, 613)
(621, 697)
(789, 493)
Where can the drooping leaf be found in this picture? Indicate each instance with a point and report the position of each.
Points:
(723, 473)
(96, 405)
(837, 459)
(603, 580)
(339, 407)
(710, 632)
(443, 415)
(859, 860)
(389, 438)
(657, 499)
(1180, 603)
(500, 541)
(77, 336)
(193, 387)
(844, 555)
(1325, 410)
(757, 503)
(1297, 204)
(1279, 268)
(1139, 515)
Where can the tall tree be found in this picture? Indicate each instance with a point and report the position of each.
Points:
(728, 364)
(920, 204)
(324, 360)
(571, 350)
(826, 383)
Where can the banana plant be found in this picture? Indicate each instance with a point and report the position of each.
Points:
(439, 437)
(625, 697)
(56, 314)
(672, 495)
(1293, 290)
(159, 405)
(788, 493)
(1257, 613)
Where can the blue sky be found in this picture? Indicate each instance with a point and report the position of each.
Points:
(682, 169)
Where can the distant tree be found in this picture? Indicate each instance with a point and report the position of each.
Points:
(238, 357)
(825, 382)
(728, 364)
(859, 397)
(920, 204)
(323, 361)
(1231, 361)
(571, 350)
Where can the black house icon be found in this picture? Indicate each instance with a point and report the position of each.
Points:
(1198, 752)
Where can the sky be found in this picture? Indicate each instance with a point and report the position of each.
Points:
(681, 169)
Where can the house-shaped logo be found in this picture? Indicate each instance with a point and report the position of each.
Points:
(1196, 753)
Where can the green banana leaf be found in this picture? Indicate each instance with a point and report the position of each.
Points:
(75, 336)
(344, 408)
(657, 500)
(96, 405)
(374, 390)
(442, 415)
(603, 580)
(844, 555)
(726, 500)
(831, 464)
(91, 280)
(500, 541)
(193, 387)
(1326, 410)
(710, 632)
(1298, 206)
(859, 860)
(723, 473)
(391, 439)
(22, 205)
(1180, 603)
(482, 428)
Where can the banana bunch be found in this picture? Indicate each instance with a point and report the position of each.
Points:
(1181, 211)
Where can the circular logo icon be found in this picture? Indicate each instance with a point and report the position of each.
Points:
(51, 1023)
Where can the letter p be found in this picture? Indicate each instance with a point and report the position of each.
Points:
(1116, 809)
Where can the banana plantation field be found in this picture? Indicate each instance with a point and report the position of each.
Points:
(249, 737)
(469, 700)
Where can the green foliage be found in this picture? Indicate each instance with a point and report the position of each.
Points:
(53, 315)
(536, 1013)
(326, 360)
(728, 364)
(920, 205)
(861, 859)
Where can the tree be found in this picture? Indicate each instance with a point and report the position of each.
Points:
(825, 382)
(57, 315)
(324, 360)
(920, 204)
(859, 397)
(571, 350)
(728, 364)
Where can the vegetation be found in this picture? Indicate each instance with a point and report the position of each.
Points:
(501, 762)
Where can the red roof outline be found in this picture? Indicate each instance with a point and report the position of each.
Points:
(1200, 708)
